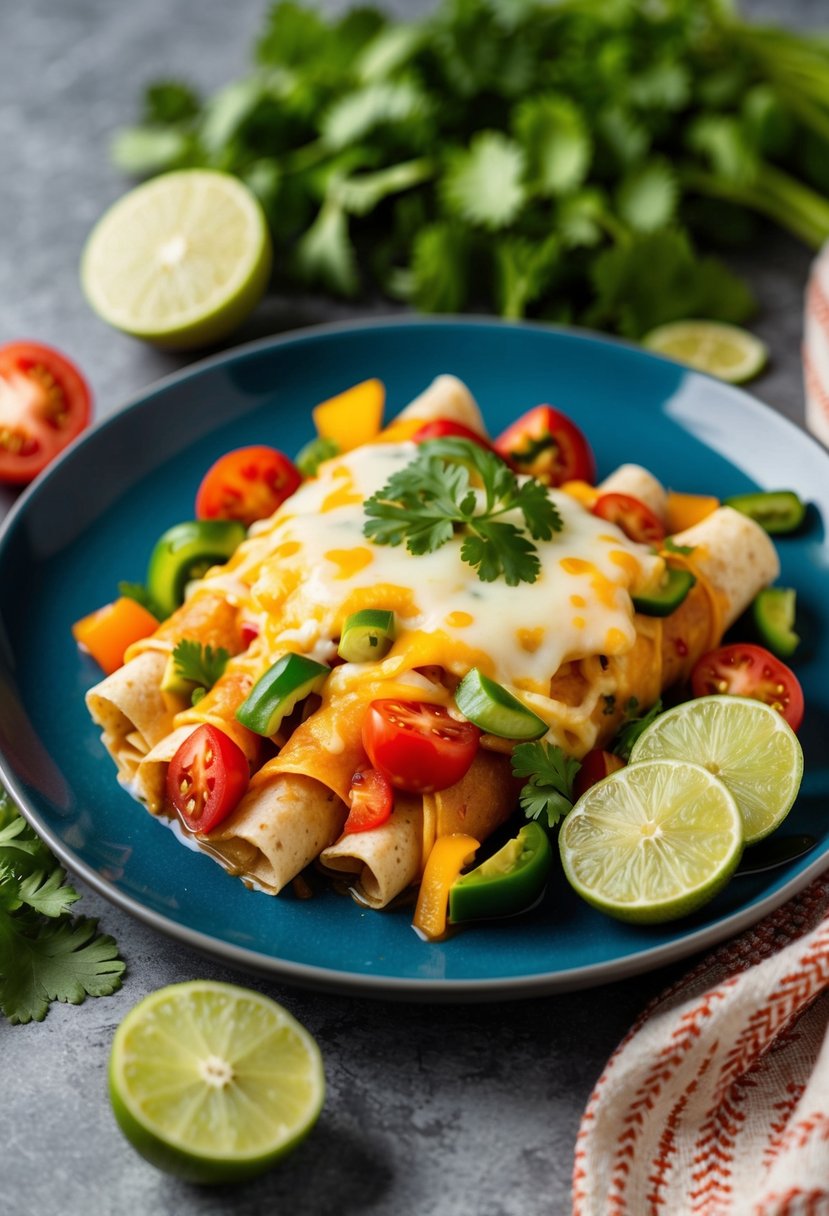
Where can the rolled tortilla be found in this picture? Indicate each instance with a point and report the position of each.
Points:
(446, 397)
(131, 711)
(734, 555)
(639, 483)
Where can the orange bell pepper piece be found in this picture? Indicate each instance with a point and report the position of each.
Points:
(107, 632)
(353, 417)
(448, 857)
(685, 510)
(582, 491)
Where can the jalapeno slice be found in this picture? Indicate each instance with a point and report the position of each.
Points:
(495, 710)
(275, 694)
(778, 511)
(509, 882)
(773, 613)
(186, 552)
(314, 453)
(666, 598)
(367, 635)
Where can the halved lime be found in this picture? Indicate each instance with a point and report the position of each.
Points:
(745, 743)
(179, 261)
(213, 1082)
(652, 841)
(726, 351)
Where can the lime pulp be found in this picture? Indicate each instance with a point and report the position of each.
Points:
(726, 351)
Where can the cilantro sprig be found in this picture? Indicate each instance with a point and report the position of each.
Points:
(433, 498)
(201, 665)
(635, 726)
(548, 792)
(45, 953)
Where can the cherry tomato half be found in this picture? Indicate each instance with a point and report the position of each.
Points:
(44, 403)
(443, 428)
(371, 800)
(548, 445)
(207, 777)
(595, 766)
(246, 484)
(418, 746)
(745, 670)
(636, 520)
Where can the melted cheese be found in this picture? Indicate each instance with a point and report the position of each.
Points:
(304, 570)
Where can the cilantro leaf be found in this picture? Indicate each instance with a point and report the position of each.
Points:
(647, 196)
(483, 183)
(432, 499)
(170, 101)
(557, 143)
(139, 593)
(627, 735)
(550, 773)
(199, 664)
(325, 254)
(438, 277)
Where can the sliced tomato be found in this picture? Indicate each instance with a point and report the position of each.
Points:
(444, 428)
(595, 766)
(246, 484)
(44, 403)
(417, 746)
(636, 520)
(207, 777)
(745, 670)
(371, 799)
(249, 631)
(548, 445)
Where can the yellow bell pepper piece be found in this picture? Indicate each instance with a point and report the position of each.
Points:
(685, 510)
(448, 857)
(400, 430)
(353, 417)
(582, 491)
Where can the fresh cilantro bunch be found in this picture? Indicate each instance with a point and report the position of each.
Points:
(550, 773)
(432, 498)
(562, 161)
(45, 953)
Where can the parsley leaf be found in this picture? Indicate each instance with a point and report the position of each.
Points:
(548, 793)
(632, 729)
(199, 664)
(45, 954)
(432, 499)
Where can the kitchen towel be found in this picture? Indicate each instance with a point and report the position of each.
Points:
(816, 348)
(717, 1101)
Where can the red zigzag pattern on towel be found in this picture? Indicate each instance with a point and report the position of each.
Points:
(793, 1203)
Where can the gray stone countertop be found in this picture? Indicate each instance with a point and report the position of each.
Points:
(438, 1110)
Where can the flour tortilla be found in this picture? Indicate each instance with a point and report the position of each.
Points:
(131, 711)
(735, 555)
(632, 479)
(446, 397)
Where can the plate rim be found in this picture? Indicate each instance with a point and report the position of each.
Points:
(369, 985)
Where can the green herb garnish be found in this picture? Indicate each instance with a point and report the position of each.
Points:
(432, 499)
(671, 546)
(548, 793)
(200, 665)
(139, 593)
(632, 729)
(45, 954)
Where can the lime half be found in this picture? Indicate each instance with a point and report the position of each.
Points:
(726, 351)
(213, 1082)
(179, 261)
(652, 841)
(745, 743)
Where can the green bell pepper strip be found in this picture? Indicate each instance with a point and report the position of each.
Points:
(187, 551)
(666, 598)
(310, 457)
(509, 882)
(367, 635)
(275, 694)
(778, 511)
(496, 711)
(773, 614)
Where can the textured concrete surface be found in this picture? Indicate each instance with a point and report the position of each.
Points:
(445, 1111)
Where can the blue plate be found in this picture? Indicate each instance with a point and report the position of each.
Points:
(93, 518)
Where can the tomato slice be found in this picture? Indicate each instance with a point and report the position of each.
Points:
(44, 403)
(745, 670)
(417, 746)
(246, 484)
(636, 520)
(444, 428)
(207, 777)
(595, 766)
(548, 445)
(371, 799)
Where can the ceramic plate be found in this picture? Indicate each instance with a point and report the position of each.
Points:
(94, 517)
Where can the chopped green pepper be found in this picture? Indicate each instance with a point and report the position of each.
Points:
(495, 710)
(773, 613)
(275, 694)
(510, 881)
(314, 453)
(367, 635)
(666, 598)
(185, 552)
(778, 511)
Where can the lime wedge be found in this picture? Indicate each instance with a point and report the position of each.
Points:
(179, 261)
(213, 1082)
(652, 841)
(726, 351)
(746, 743)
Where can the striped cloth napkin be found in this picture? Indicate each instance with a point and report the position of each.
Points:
(816, 348)
(717, 1102)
